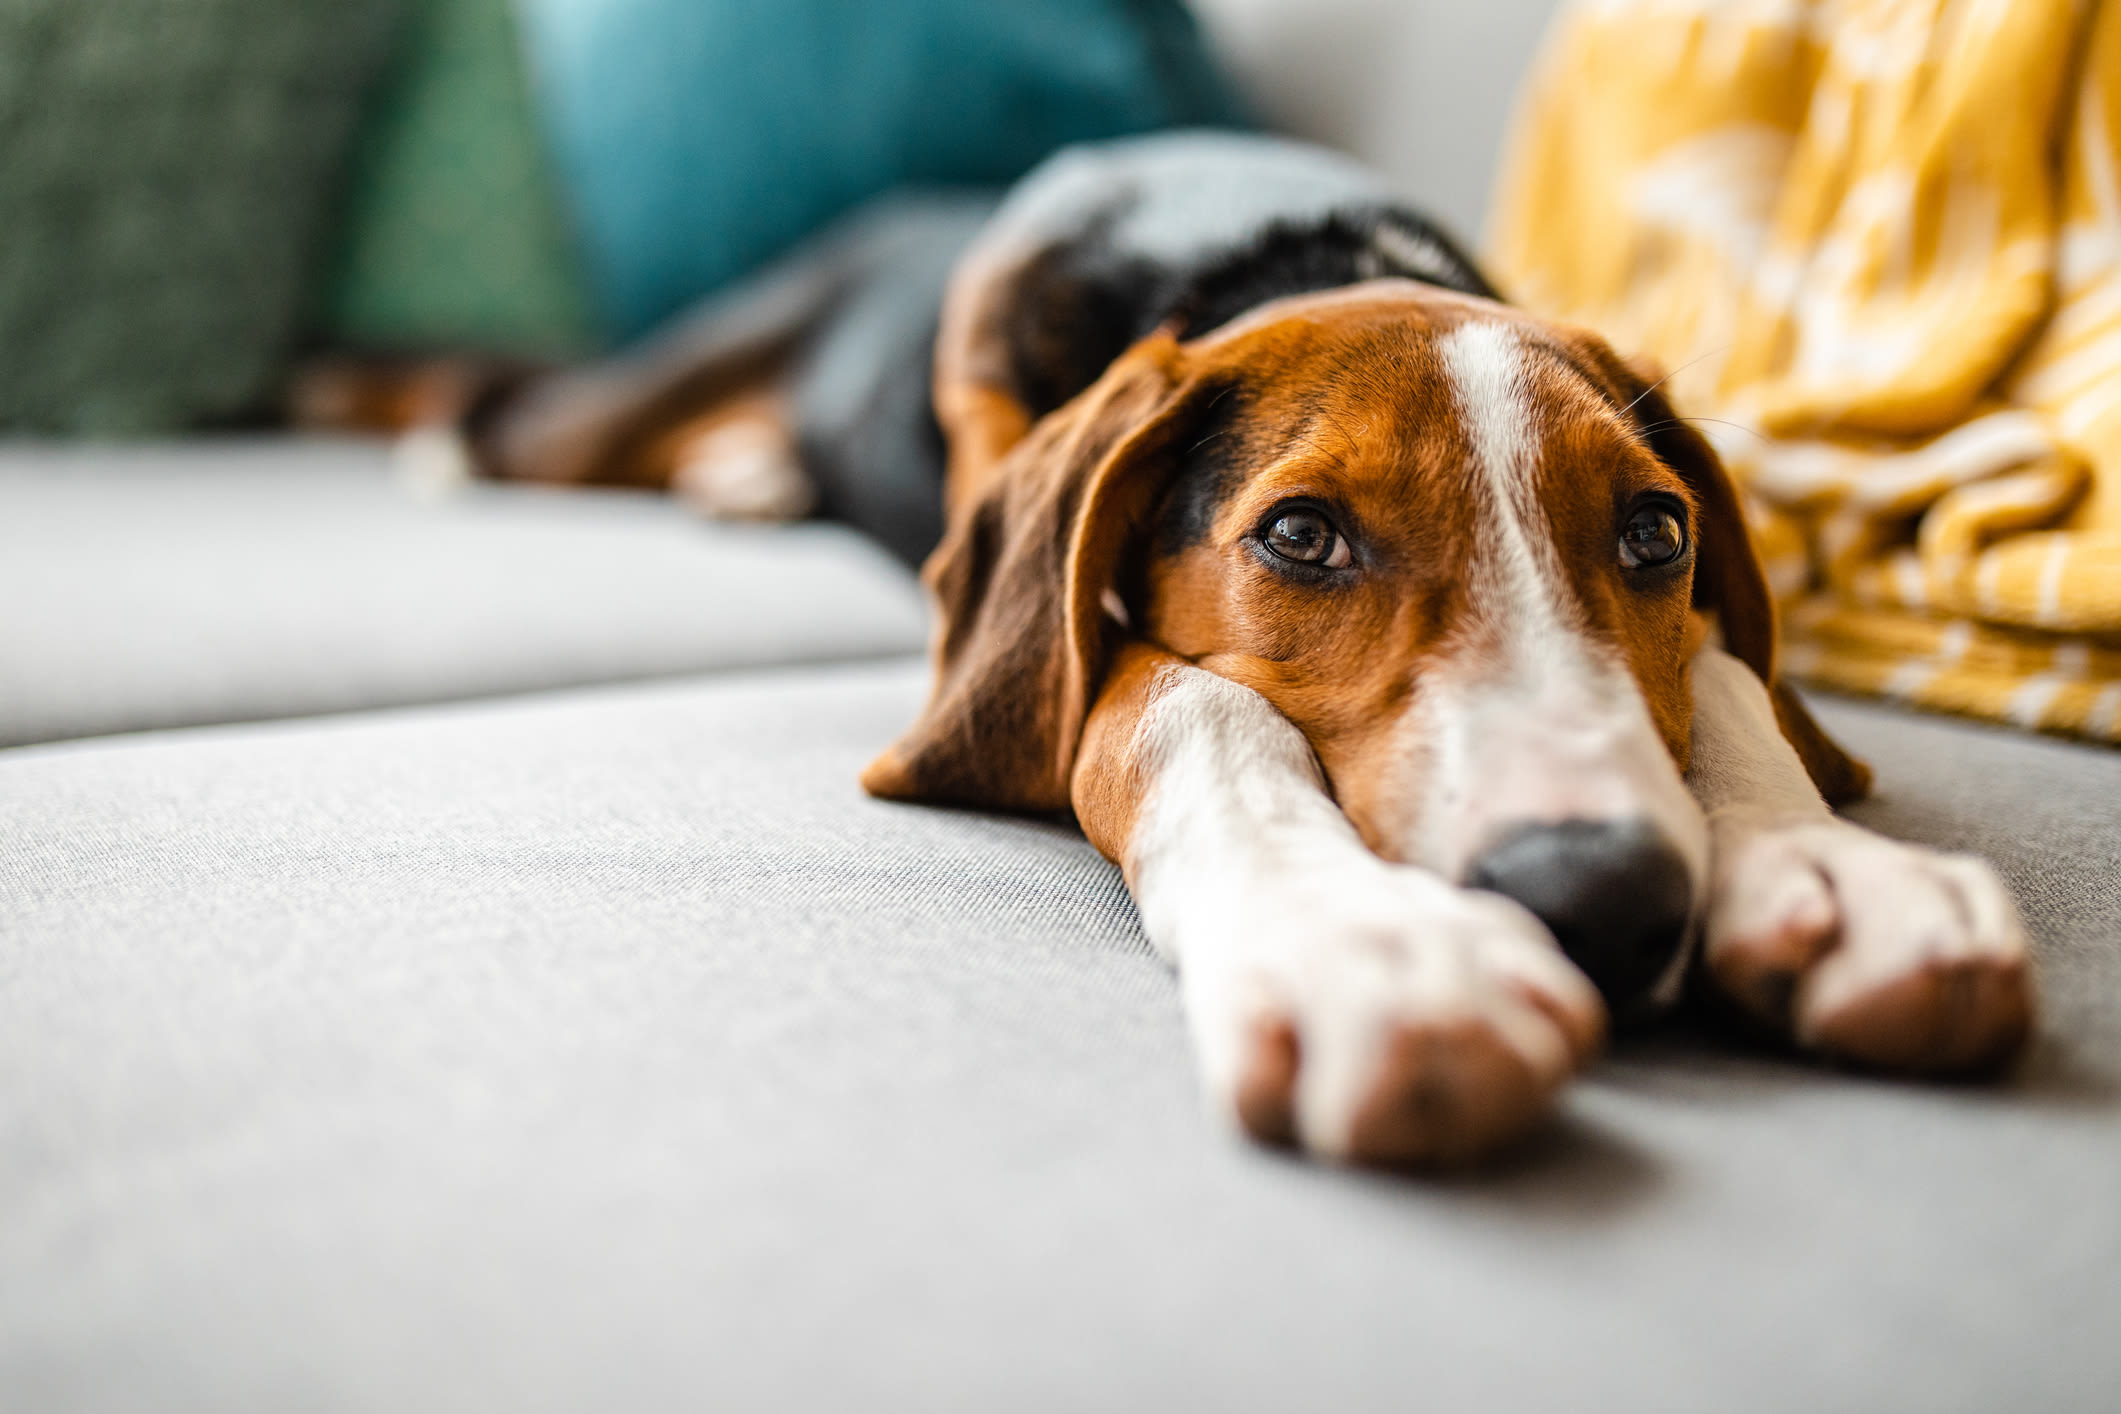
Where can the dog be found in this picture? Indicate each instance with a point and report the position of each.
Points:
(1406, 652)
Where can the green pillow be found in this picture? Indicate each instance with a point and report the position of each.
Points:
(454, 236)
(167, 169)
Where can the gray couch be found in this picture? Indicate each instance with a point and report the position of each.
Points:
(600, 1046)
(554, 1026)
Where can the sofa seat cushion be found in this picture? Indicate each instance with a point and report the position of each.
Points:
(609, 1050)
(241, 580)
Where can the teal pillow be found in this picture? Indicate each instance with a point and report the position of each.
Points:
(454, 236)
(699, 138)
(167, 173)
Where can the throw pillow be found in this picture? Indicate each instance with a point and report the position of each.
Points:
(454, 237)
(699, 138)
(167, 170)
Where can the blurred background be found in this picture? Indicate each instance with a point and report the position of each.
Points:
(200, 193)
(544, 1020)
(1874, 243)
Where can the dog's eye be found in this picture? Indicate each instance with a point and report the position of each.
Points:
(1306, 537)
(1654, 535)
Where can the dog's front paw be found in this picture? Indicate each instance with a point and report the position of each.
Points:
(1399, 1022)
(1869, 949)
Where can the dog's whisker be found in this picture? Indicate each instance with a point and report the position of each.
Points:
(1676, 419)
(1674, 374)
(1753, 432)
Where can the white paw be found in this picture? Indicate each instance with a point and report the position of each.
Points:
(433, 463)
(1867, 948)
(1385, 1017)
(744, 470)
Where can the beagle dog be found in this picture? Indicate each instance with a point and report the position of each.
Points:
(1406, 652)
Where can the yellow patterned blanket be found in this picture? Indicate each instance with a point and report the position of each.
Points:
(1880, 242)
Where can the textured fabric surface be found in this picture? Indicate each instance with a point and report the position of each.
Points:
(226, 581)
(454, 236)
(168, 169)
(699, 138)
(609, 1051)
(1880, 242)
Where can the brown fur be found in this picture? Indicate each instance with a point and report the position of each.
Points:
(627, 427)
(1337, 397)
(381, 393)
(1841, 778)
(1019, 575)
(761, 404)
(1110, 780)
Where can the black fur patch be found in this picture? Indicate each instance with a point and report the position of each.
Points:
(1209, 472)
(1078, 306)
(1348, 246)
(1082, 302)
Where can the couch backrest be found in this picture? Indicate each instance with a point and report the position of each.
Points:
(1420, 88)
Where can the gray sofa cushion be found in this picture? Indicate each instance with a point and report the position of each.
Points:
(609, 1050)
(213, 582)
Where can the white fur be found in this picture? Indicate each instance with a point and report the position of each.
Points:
(744, 470)
(1536, 724)
(1251, 880)
(433, 463)
(1786, 866)
(1417, 255)
(1741, 763)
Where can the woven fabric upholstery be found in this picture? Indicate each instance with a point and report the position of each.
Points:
(609, 1050)
(234, 580)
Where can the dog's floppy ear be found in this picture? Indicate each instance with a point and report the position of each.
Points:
(1019, 580)
(1728, 579)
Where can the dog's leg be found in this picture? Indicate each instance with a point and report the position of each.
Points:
(736, 461)
(1858, 946)
(1362, 1009)
(595, 424)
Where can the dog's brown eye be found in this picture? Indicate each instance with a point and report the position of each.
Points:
(1654, 535)
(1307, 538)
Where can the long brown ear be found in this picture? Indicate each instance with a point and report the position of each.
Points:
(1019, 580)
(1728, 579)
(1840, 777)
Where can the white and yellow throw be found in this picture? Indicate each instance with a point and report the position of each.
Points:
(1879, 243)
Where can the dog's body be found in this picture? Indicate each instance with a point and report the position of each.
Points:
(1405, 651)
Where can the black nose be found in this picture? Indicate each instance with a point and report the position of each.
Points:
(1615, 894)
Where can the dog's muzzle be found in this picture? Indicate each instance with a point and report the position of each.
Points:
(1615, 894)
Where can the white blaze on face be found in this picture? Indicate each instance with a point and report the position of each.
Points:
(1532, 722)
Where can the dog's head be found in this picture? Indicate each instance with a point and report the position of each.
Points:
(1469, 554)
